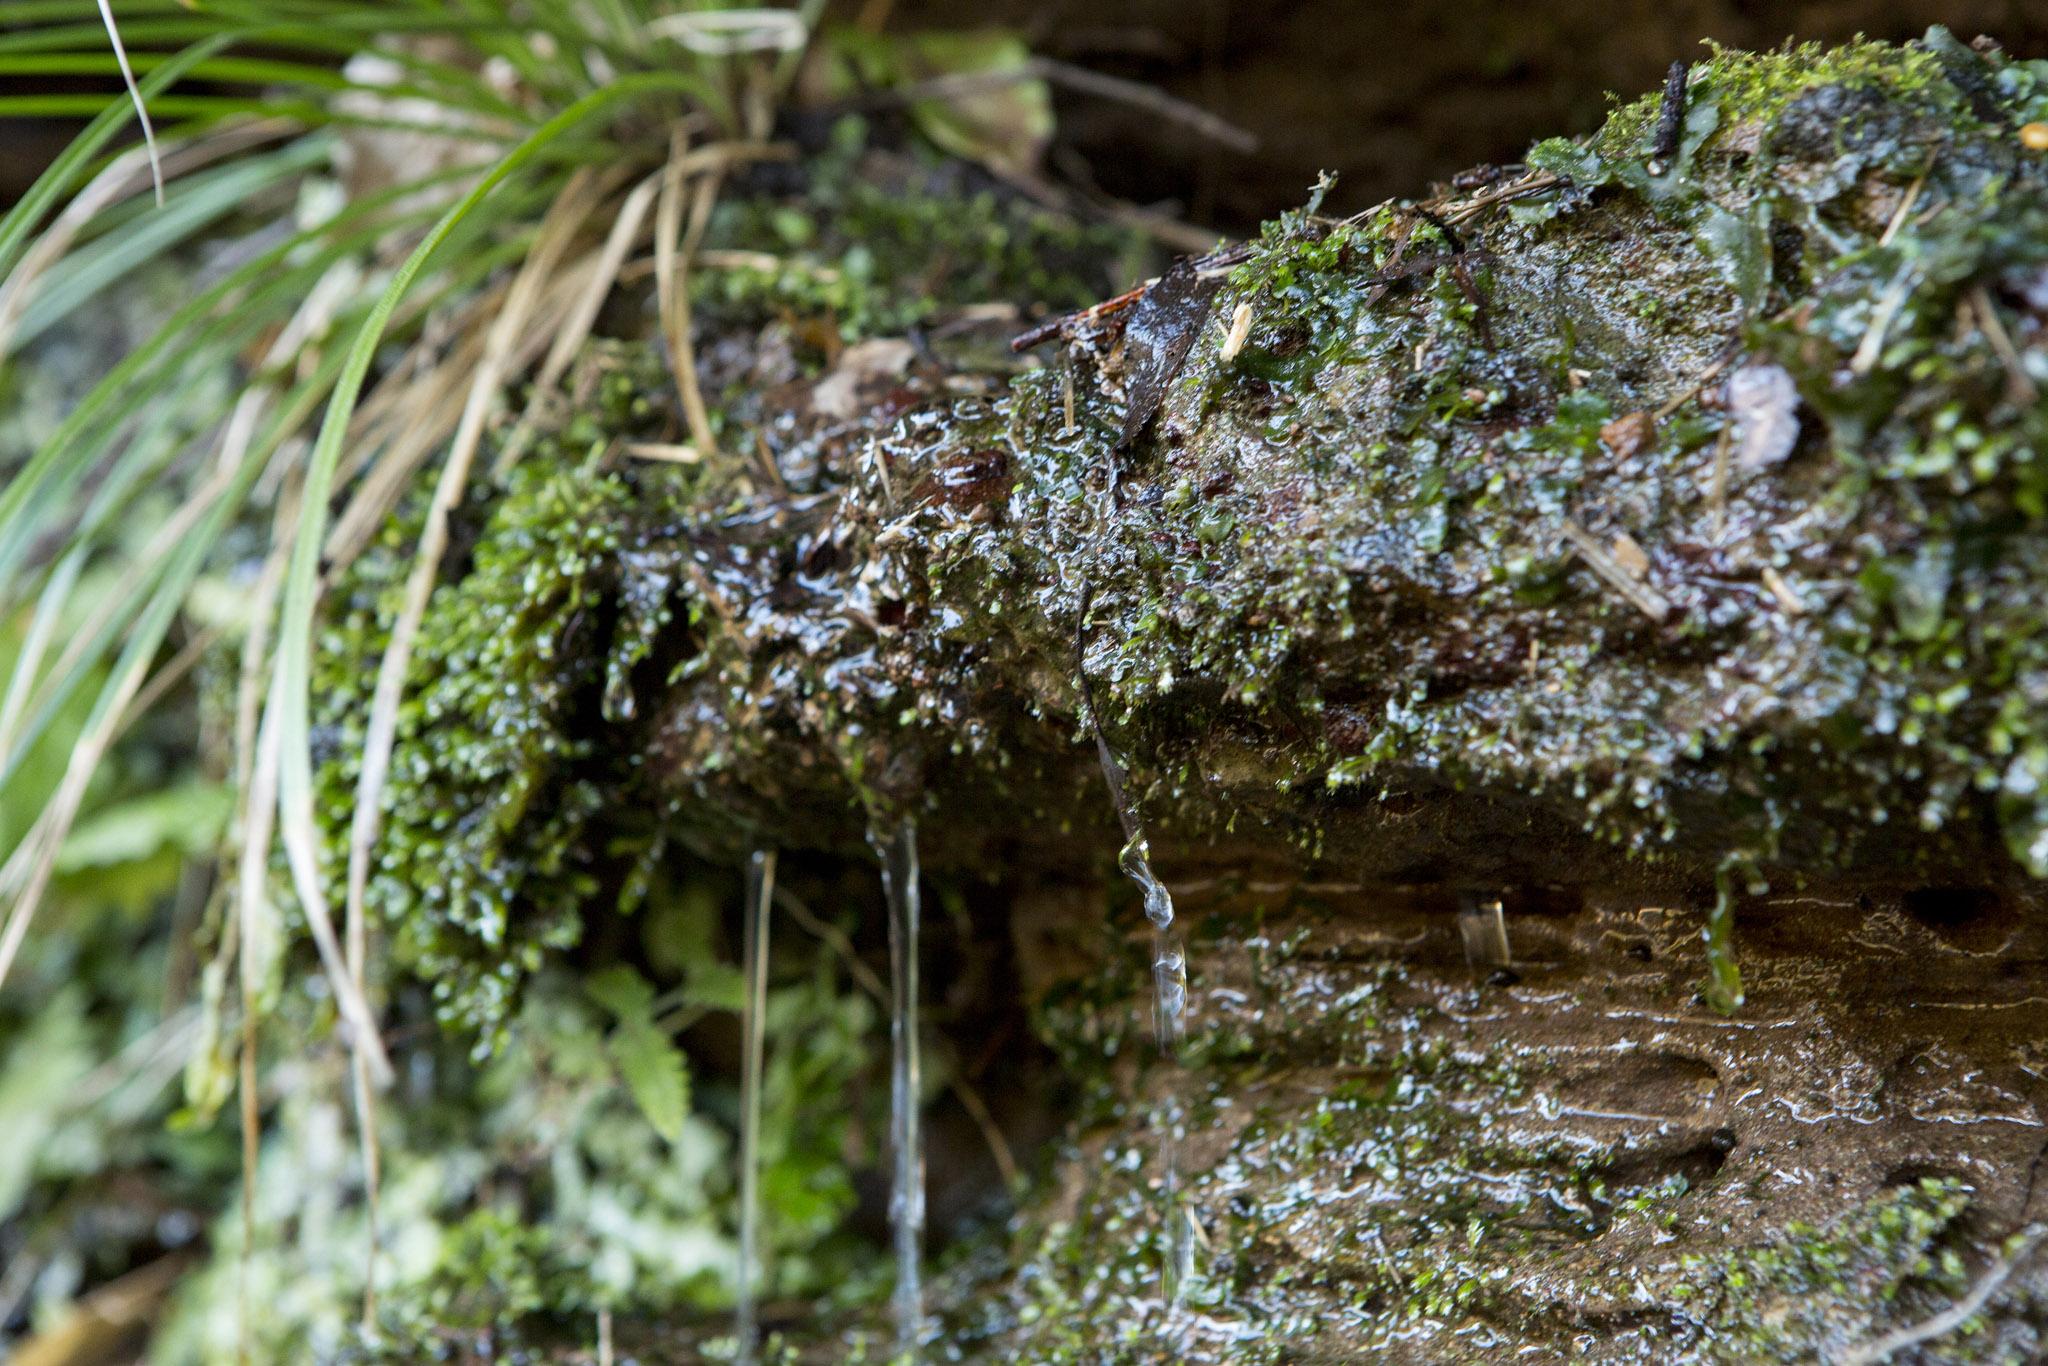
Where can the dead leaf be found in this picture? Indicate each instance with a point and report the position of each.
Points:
(862, 367)
(1628, 434)
(1765, 405)
(1162, 328)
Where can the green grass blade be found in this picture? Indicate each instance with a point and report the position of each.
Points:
(56, 693)
(200, 201)
(191, 328)
(156, 166)
(294, 647)
(70, 166)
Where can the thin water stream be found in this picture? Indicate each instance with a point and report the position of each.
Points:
(1169, 1016)
(1483, 928)
(760, 894)
(897, 849)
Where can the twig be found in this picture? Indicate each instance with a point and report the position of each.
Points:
(2019, 385)
(1149, 98)
(1700, 381)
(1052, 327)
(1783, 592)
(1644, 598)
(1535, 183)
(864, 976)
(1218, 262)
(1089, 82)
(672, 452)
(1717, 491)
(1872, 345)
(836, 939)
(998, 1146)
(171, 674)
(1948, 1320)
(1670, 119)
(1898, 220)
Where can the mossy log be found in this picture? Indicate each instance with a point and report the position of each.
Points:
(1663, 523)
(1465, 564)
(1461, 566)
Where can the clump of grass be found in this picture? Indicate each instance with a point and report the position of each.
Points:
(370, 328)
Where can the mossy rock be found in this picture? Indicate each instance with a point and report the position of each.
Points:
(1610, 536)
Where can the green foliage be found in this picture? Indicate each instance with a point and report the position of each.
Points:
(876, 246)
(512, 821)
(1812, 1292)
(650, 1063)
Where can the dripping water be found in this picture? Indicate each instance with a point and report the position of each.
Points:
(1483, 926)
(1169, 1009)
(898, 852)
(760, 894)
(1170, 1025)
(1723, 991)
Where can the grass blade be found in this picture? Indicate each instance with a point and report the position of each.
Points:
(73, 161)
(201, 201)
(156, 166)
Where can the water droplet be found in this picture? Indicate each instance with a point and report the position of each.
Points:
(1483, 926)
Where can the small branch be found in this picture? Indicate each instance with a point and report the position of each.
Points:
(1700, 381)
(2019, 385)
(1874, 1350)
(863, 975)
(1644, 598)
(1089, 82)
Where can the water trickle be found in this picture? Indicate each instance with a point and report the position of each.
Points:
(1483, 926)
(897, 849)
(1724, 979)
(760, 894)
(1169, 1015)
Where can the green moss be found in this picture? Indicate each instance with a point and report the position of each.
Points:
(1813, 1292)
(1759, 87)
(510, 807)
(872, 245)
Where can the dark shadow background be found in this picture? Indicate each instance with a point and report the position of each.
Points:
(1390, 94)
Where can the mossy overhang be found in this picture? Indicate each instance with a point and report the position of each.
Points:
(1350, 590)
(1572, 525)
